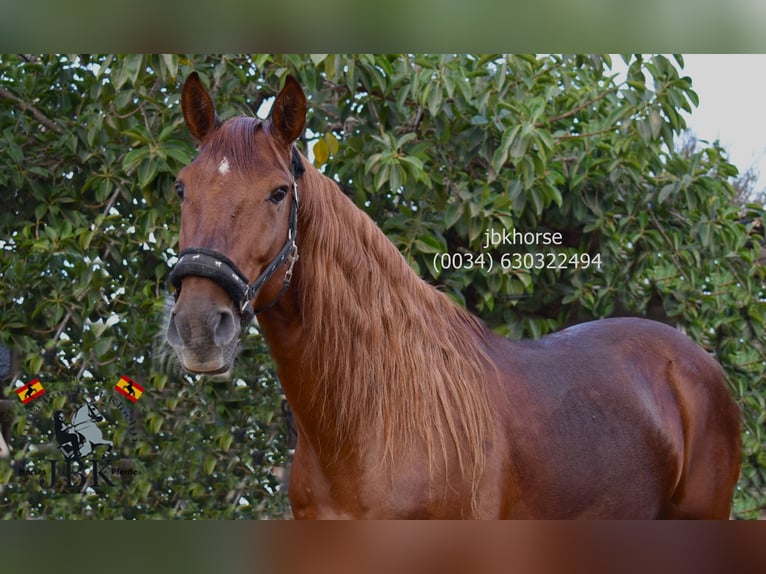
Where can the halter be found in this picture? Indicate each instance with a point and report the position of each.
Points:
(202, 262)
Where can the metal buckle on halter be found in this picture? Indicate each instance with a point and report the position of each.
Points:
(246, 310)
(293, 257)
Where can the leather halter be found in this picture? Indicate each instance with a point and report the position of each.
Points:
(202, 262)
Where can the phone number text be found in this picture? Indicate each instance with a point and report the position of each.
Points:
(466, 260)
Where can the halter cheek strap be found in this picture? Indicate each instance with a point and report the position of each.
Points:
(211, 264)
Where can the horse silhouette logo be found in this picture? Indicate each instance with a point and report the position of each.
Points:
(82, 436)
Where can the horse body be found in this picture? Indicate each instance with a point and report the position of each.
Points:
(405, 404)
(619, 418)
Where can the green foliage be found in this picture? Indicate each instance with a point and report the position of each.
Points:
(438, 150)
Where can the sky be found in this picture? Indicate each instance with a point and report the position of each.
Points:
(731, 90)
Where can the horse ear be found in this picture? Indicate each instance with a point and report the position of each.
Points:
(288, 114)
(197, 105)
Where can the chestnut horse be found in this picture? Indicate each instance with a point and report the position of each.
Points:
(406, 405)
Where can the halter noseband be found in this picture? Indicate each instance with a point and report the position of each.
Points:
(202, 262)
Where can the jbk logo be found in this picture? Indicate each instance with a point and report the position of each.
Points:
(82, 431)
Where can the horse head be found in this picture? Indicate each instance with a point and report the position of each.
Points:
(239, 202)
(93, 413)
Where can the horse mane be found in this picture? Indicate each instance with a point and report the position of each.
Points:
(389, 349)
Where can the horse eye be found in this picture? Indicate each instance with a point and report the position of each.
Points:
(278, 195)
(179, 190)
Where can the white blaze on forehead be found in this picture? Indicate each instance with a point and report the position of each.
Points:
(223, 167)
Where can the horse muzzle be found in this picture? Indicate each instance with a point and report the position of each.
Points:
(204, 332)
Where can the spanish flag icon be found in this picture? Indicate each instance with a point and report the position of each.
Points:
(129, 388)
(30, 391)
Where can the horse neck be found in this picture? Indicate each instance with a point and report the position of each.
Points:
(363, 345)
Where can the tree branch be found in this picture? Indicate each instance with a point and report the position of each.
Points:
(584, 135)
(38, 115)
(582, 106)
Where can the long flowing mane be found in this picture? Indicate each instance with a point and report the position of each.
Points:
(391, 350)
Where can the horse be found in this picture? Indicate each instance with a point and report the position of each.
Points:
(79, 439)
(407, 405)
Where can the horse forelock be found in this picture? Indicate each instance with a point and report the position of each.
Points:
(390, 350)
(234, 140)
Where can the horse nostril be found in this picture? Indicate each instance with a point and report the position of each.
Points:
(224, 328)
(173, 336)
(200, 329)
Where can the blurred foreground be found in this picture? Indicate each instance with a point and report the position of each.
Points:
(383, 547)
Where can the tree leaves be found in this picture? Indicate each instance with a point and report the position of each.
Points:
(324, 147)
